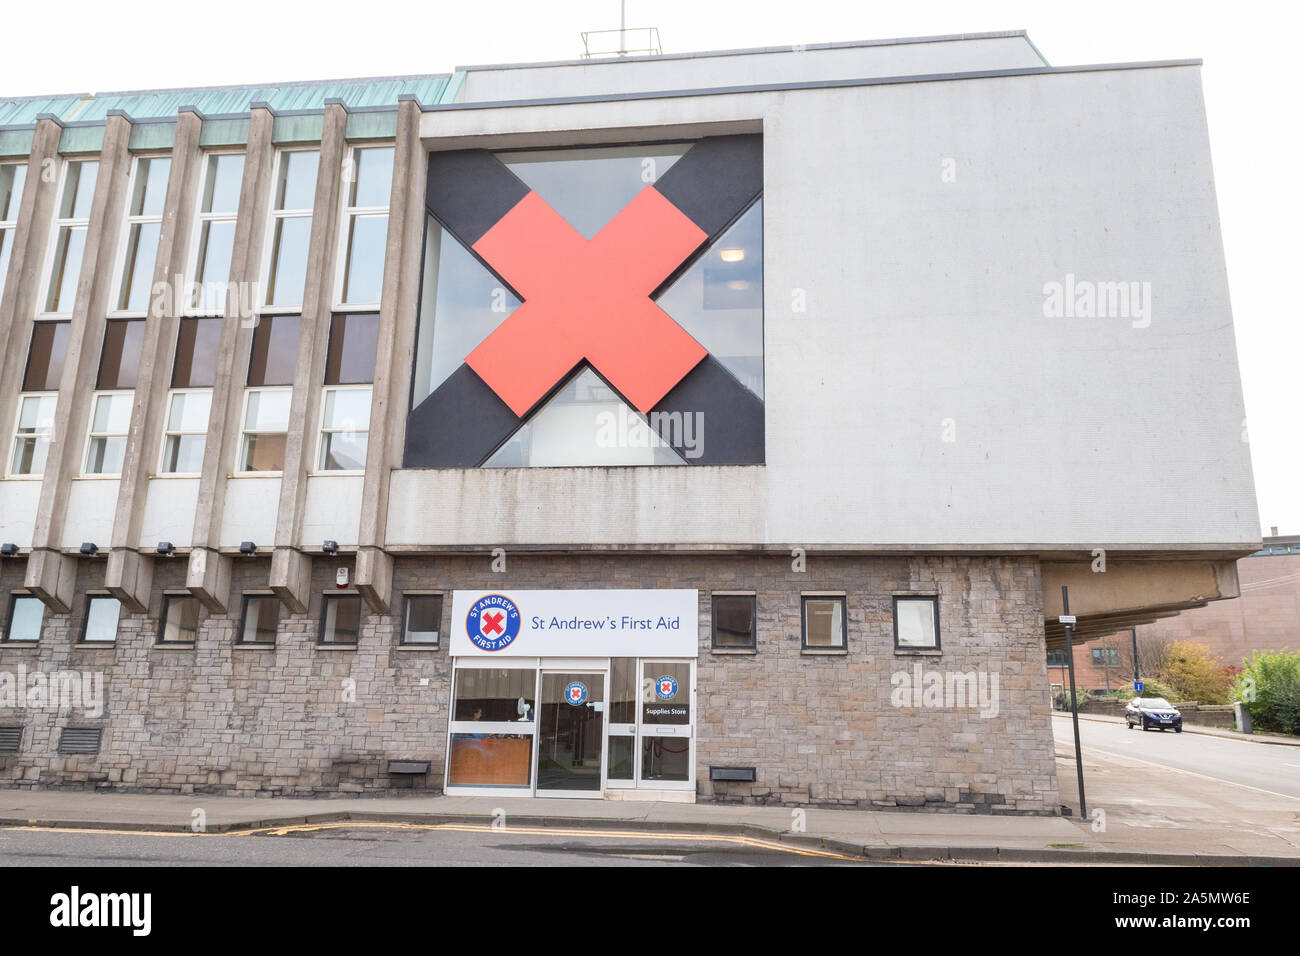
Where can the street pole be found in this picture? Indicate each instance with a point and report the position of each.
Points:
(1137, 673)
(1068, 620)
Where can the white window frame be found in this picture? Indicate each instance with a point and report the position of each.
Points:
(9, 227)
(130, 221)
(187, 309)
(91, 434)
(47, 273)
(167, 432)
(321, 431)
(274, 216)
(243, 430)
(18, 417)
(346, 215)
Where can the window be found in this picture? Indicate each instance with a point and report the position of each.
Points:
(1057, 659)
(260, 619)
(223, 176)
(12, 178)
(106, 444)
(180, 619)
(421, 619)
(143, 224)
(340, 618)
(102, 613)
(26, 614)
(733, 620)
(365, 226)
(824, 622)
(345, 429)
(70, 225)
(1105, 657)
(354, 339)
(185, 432)
(275, 350)
(45, 356)
(266, 425)
(196, 353)
(32, 435)
(295, 193)
(119, 363)
(916, 623)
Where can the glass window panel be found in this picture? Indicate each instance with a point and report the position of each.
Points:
(354, 338)
(490, 760)
(823, 622)
(348, 409)
(221, 189)
(196, 353)
(104, 456)
(495, 694)
(342, 620)
(261, 617)
(733, 621)
(78, 190)
(268, 410)
(665, 758)
(25, 619)
(6, 247)
(212, 273)
(112, 414)
(45, 358)
(665, 693)
(423, 619)
(102, 614)
(462, 303)
(183, 455)
(275, 350)
(719, 299)
(289, 261)
(584, 423)
(588, 187)
(364, 277)
(180, 619)
(68, 249)
(150, 189)
(263, 453)
(296, 187)
(622, 690)
(622, 749)
(916, 625)
(373, 177)
(137, 269)
(344, 451)
(189, 412)
(12, 178)
(37, 413)
(32, 443)
(119, 367)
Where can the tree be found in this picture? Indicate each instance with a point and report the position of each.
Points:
(1194, 674)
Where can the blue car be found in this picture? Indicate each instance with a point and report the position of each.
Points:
(1149, 712)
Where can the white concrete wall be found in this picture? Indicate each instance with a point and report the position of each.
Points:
(91, 505)
(925, 303)
(333, 509)
(18, 503)
(169, 512)
(599, 77)
(251, 506)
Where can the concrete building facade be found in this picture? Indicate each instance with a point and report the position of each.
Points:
(720, 426)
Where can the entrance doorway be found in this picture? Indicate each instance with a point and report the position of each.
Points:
(570, 735)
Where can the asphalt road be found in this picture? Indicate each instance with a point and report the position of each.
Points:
(1267, 767)
(381, 847)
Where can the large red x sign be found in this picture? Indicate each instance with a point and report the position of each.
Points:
(587, 299)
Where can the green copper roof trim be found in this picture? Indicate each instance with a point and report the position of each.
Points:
(16, 142)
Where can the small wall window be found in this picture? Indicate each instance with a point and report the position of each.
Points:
(119, 363)
(916, 623)
(266, 425)
(295, 193)
(143, 224)
(1105, 657)
(223, 176)
(734, 620)
(185, 432)
(180, 619)
(26, 614)
(196, 353)
(824, 622)
(365, 226)
(45, 357)
(70, 226)
(102, 613)
(340, 618)
(275, 350)
(345, 429)
(421, 619)
(12, 178)
(32, 435)
(354, 338)
(106, 444)
(260, 619)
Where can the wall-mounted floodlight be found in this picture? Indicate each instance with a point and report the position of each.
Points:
(248, 548)
(330, 547)
(89, 548)
(8, 549)
(166, 548)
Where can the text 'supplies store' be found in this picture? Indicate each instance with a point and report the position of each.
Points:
(677, 427)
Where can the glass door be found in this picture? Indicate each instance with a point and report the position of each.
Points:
(620, 767)
(666, 758)
(571, 734)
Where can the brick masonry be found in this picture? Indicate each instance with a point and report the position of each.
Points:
(820, 728)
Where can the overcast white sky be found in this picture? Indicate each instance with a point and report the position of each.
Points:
(1250, 86)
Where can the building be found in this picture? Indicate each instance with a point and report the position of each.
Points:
(718, 426)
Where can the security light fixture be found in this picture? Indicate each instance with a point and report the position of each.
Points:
(89, 548)
(8, 549)
(247, 547)
(166, 548)
(330, 547)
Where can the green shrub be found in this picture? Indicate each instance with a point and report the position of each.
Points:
(1269, 686)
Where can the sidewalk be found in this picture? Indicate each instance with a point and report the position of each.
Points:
(876, 835)
(1197, 729)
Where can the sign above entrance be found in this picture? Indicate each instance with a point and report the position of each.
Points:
(597, 623)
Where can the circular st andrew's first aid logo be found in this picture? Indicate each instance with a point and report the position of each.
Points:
(666, 687)
(576, 693)
(492, 622)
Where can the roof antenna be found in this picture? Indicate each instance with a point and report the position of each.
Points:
(647, 37)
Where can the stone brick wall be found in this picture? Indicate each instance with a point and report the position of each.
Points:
(820, 727)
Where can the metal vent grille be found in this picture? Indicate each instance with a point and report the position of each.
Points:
(80, 740)
(10, 739)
